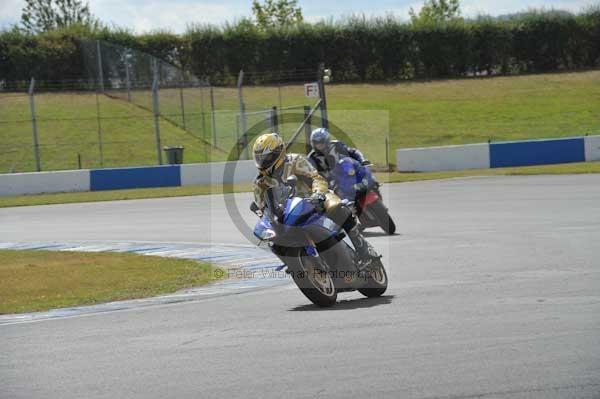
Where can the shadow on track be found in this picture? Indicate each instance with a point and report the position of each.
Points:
(348, 304)
(378, 234)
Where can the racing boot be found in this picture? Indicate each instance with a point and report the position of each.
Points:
(364, 251)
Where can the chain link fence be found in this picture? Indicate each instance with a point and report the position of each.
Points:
(130, 105)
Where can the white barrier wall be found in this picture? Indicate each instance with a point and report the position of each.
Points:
(44, 182)
(426, 159)
(592, 148)
(431, 159)
(213, 173)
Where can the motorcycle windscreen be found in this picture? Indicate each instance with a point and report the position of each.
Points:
(299, 212)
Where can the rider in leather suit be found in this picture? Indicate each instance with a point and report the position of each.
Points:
(275, 166)
(326, 153)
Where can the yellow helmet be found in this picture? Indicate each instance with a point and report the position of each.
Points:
(269, 151)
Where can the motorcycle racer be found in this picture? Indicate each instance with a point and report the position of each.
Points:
(275, 166)
(326, 153)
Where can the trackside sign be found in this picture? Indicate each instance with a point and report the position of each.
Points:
(311, 89)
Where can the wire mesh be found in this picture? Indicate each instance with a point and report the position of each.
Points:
(16, 144)
(110, 117)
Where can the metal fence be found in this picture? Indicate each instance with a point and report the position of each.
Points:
(130, 105)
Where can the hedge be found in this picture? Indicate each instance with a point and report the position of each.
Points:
(357, 49)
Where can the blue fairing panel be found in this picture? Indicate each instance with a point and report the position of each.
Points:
(262, 225)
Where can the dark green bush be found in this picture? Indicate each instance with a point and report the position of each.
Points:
(357, 49)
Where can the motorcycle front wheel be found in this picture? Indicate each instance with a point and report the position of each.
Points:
(384, 220)
(316, 284)
(377, 280)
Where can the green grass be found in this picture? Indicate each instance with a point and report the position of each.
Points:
(112, 195)
(561, 169)
(462, 111)
(67, 126)
(411, 114)
(41, 280)
(395, 177)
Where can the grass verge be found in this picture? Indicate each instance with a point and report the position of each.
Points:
(40, 280)
(394, 177)
(412, 114)
(114, 195)
(560, 169)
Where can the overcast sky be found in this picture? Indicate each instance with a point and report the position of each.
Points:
(175, 15)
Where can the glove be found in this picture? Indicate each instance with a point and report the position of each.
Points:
(318, 200)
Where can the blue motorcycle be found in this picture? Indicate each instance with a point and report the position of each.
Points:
(315, 250)
(366, 201)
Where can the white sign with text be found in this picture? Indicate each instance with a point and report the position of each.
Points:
(311, 89)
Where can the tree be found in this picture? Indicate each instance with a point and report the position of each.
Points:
(436, 11)
(274, 13)
(46, 15)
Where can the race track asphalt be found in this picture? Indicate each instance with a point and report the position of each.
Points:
(494, 293)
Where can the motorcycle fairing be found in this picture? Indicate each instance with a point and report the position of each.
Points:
(369, 199)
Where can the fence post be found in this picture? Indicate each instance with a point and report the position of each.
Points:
(100, 72)
(181, 101)
(307, 128)
(280, 105)
(203, 121)
(325, 121)
(273, 119)
(243, 120)
(156, 111)
(36, 145)
(100, 147)
(387, 154)
(237, 136)
(244, 127)
(127, 78)
(214, 120)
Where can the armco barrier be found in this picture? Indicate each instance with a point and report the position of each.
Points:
(538, 152)
(123, 178)
(44, 182)
(143, 177)
(212, 173)
(454, 157)
(592, 148)
(499, 155)
(471, 156)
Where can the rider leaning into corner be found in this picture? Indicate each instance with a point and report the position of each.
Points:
(275, 166)
(326, 153)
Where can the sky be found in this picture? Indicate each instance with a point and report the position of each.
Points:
(176, 15)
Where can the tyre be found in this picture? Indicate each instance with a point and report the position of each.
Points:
(377, 280)
(384, 220)
(315, 284)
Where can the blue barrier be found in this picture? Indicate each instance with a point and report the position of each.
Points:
(504, 154)
(537, 152)
(143, 177)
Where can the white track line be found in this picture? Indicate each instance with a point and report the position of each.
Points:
(251, 269)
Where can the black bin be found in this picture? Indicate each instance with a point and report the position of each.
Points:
(174, 155)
